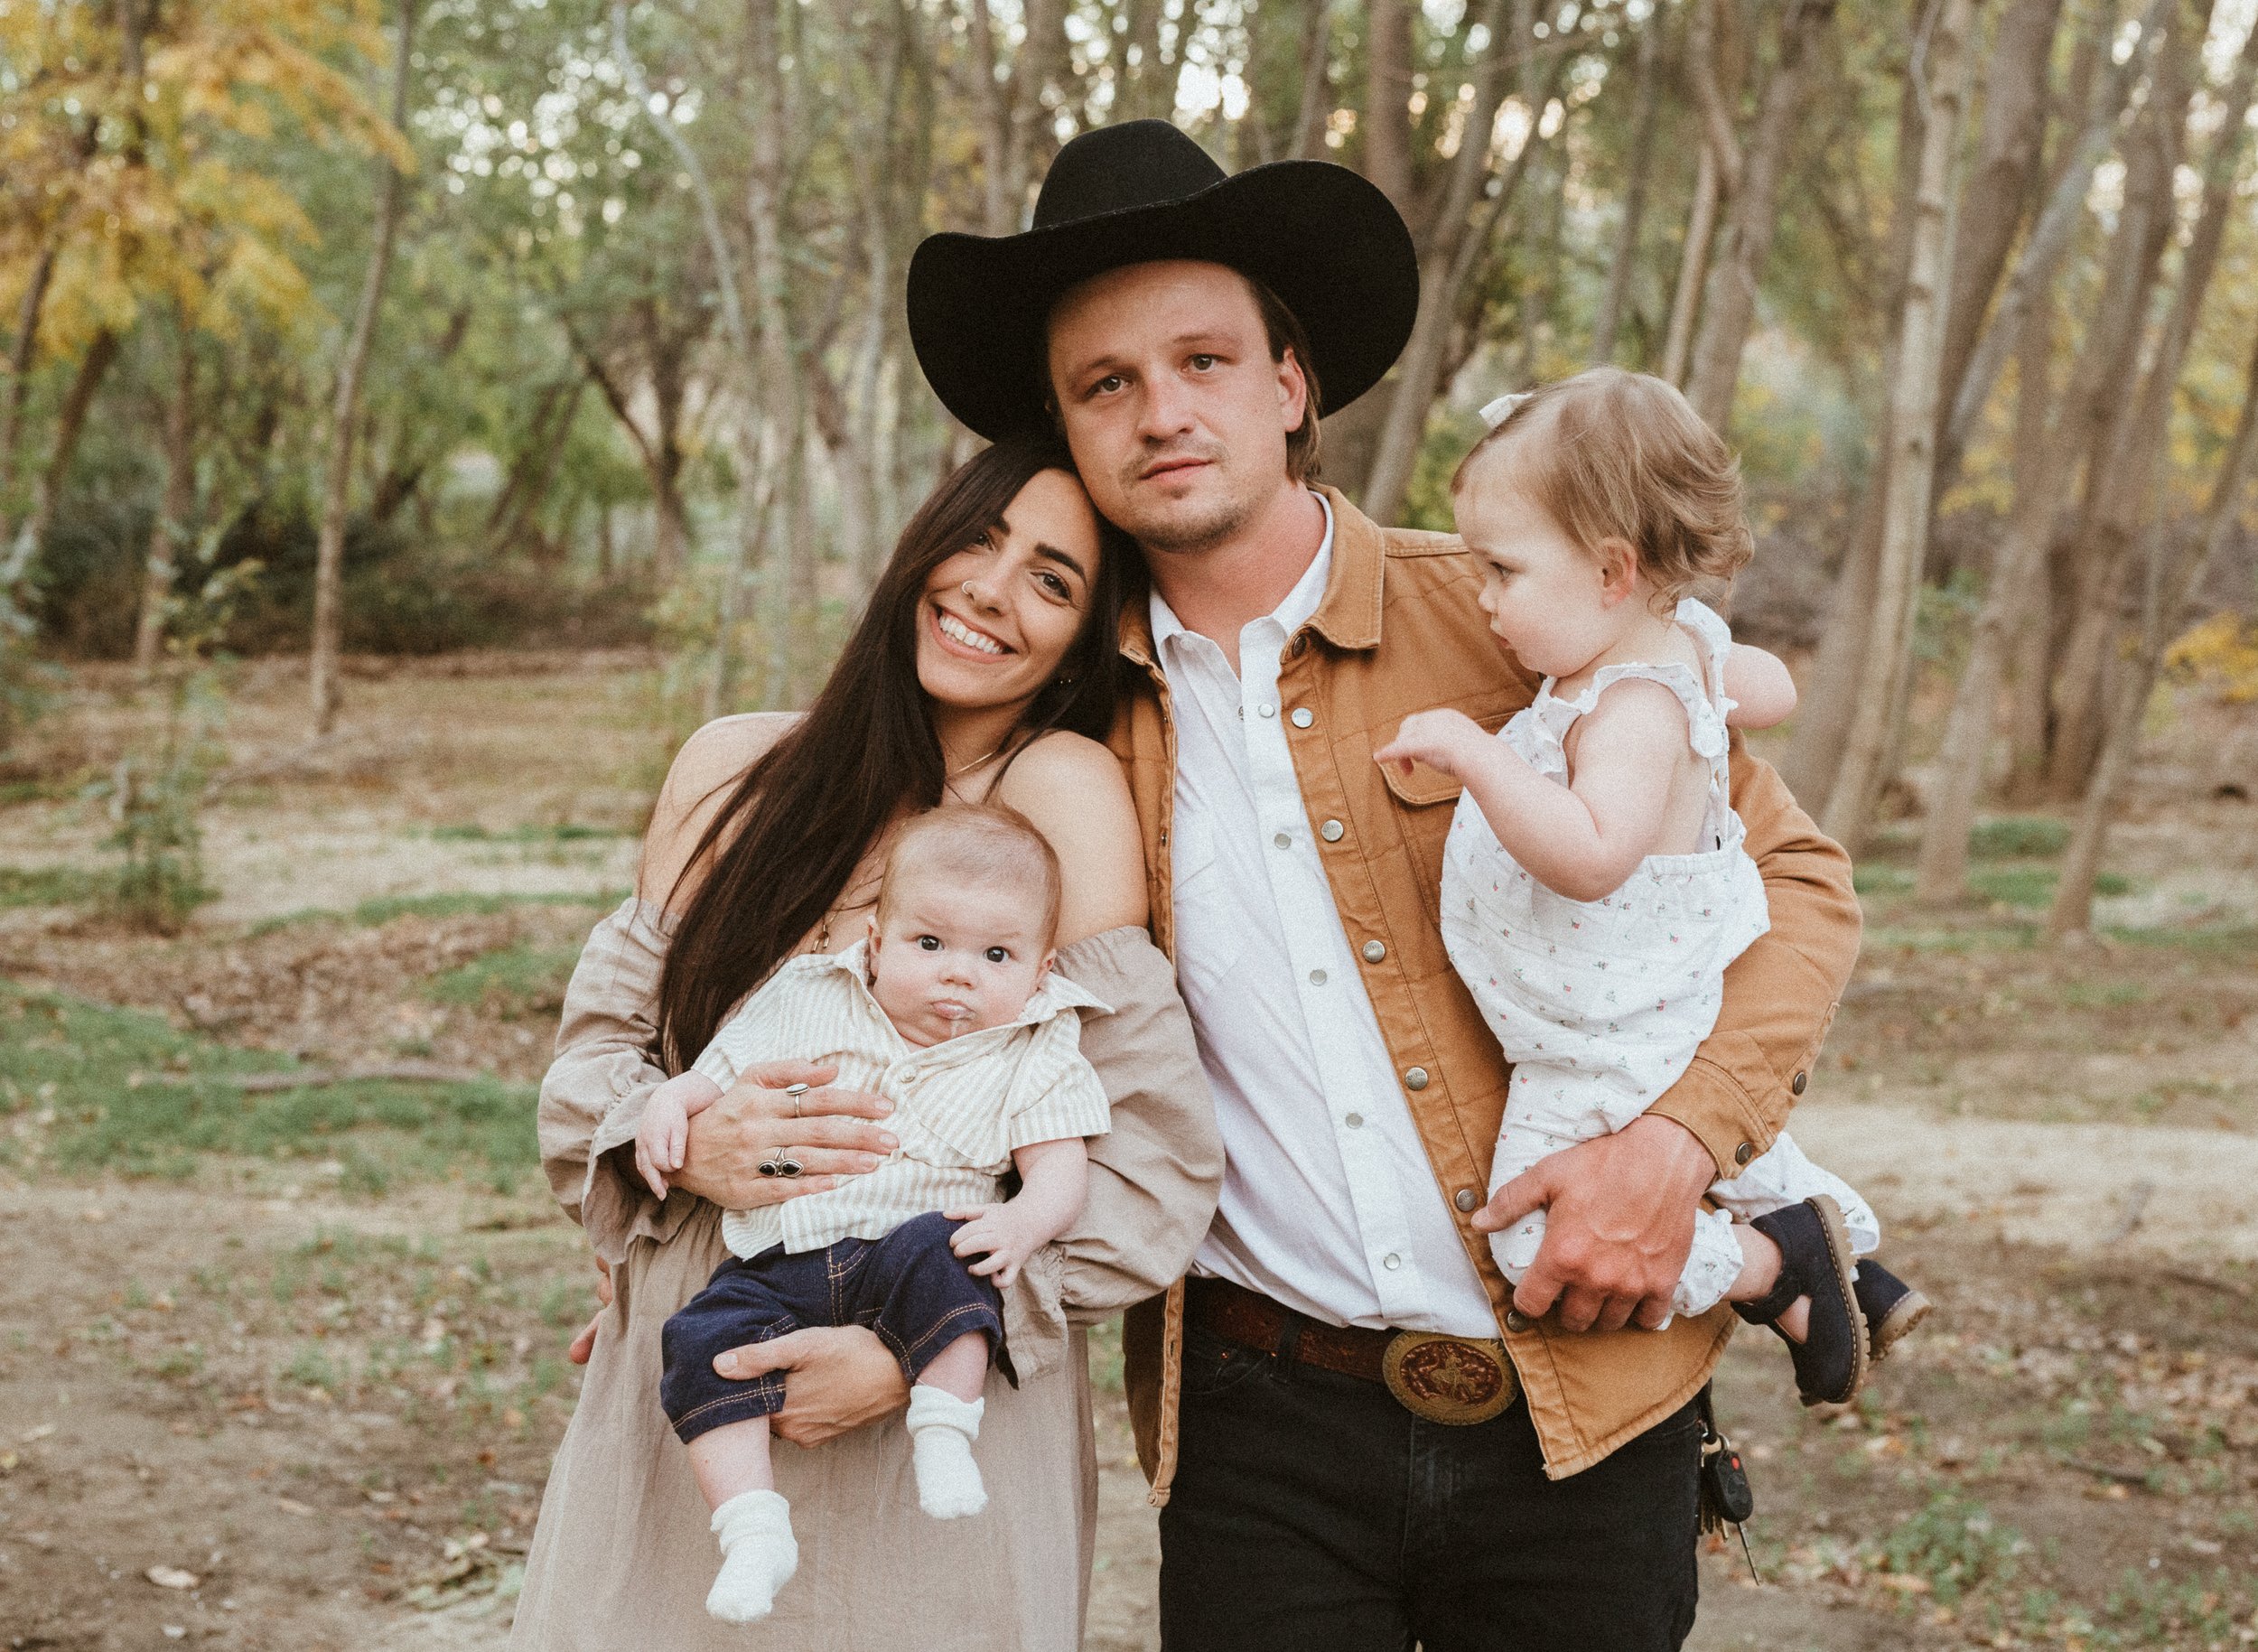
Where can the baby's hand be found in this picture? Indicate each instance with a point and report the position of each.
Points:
(665, 1137)
(1441, 739)
(1001, 1231)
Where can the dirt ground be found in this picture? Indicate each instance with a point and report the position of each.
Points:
(283, 1367)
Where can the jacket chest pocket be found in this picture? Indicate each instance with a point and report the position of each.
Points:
(1426, 802)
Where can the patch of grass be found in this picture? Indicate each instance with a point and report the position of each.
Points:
(2034, 886)
(1955, 1546)
(130, 1093)
(375, 913)
(2019, 838)
(565, 834)
(513, 984)
(1869, 879)
(48, 886)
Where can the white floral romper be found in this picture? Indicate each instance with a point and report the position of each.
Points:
(1601, 1005)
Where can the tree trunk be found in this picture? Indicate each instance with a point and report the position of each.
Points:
(1040, 55)
(1001, 215)
(2017, 566)
(1317, 89)
(1625, 264)
(1442, 272)
(2051, 235)
(1942, 70)
(69, 424)
(2172, 577)
(1386, 125)
(329, 567)
(1148, 88)
(1728, 308)
(169, 534)
(1701, 229)
(20, 353)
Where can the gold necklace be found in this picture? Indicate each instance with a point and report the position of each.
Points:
(950, 774)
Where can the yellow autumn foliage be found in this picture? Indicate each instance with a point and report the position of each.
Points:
(2221, 654)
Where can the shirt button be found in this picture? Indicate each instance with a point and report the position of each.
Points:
(1355, 1121)
(1331, 831)
(1744, 1153)
(1317, 978)
(1801, 1080)
(1304, 716)
(1468, 1201)
(1285, 840)
(1267, 709)
(1414, 1078)
(1373, 951)
(1390, 1262)
(1517, 1321)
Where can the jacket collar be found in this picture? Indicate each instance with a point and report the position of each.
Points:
(1348, 614)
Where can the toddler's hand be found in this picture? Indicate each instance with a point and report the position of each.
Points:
(1439, 739)
(664, 1138)
(997, 1230)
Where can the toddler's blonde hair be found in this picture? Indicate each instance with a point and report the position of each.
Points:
(986, 844)
(1610, 454)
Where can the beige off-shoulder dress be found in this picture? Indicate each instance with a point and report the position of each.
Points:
(621, 1556)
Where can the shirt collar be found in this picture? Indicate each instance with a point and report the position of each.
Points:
(1054, 997)
(1291, 614)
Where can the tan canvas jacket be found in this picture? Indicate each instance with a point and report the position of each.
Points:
(1398, 631)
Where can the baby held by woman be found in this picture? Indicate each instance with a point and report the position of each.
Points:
(1595, 884)
(951, 1010)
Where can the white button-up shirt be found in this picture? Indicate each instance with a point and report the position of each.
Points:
(1329, 1203)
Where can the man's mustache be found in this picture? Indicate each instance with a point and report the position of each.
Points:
(1205, 453)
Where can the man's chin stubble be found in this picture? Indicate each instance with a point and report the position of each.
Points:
(1187, 533)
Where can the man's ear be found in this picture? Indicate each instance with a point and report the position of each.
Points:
(1618, 570)
(1294, 390)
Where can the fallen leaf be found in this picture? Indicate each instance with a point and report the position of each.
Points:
(8, 1459)
(172, 1577)
(174, 1631)
(41, 1433)
(1906, 1582)
(291, 1505)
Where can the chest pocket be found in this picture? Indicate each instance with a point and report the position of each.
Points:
(955, 1122)
(1426, 800)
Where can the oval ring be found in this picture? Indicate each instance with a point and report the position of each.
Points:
(796, 1091)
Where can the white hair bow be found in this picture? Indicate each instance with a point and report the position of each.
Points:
(1496, 413)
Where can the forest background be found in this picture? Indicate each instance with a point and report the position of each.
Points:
(472, 323)
(417, 415)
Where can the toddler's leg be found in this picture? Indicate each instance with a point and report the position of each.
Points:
(752, 1521)
(945, 1411)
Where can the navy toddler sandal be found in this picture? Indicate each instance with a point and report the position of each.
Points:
(1891, 1306)
(1815, 1261)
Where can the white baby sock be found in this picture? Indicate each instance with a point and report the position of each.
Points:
(759, 1555)
(942, 1429)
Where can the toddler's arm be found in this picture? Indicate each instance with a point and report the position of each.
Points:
(1054, 1179)
(665, 1135)
(1580, 840)
(1759, 683)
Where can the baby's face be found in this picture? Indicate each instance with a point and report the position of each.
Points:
(1541, 590)
(951, 958)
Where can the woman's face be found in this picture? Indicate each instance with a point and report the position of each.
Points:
(998, 618)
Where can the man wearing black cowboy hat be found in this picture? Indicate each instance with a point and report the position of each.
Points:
(1360, 1435)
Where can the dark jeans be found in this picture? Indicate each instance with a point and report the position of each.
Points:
(1312, 1513)
(908, 1287)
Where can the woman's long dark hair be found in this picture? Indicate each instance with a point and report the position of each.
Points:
(792, 832)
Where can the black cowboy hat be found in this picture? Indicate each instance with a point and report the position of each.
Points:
(1325, 241)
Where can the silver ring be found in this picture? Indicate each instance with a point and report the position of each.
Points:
(796, 1091)
(789, 1167)
(770, 1167)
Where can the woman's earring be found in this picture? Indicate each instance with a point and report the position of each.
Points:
(1063, 681)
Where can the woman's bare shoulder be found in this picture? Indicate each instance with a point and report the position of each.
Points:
(1073, 789)
(698, 784)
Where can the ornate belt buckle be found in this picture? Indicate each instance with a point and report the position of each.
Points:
(1457, 1380)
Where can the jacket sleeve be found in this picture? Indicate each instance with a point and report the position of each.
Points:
(593, 1096)
(1782, 993)
(1154, 1176)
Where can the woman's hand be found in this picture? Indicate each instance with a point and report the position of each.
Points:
(837, 1378)
(825, 1130)
(584, 1344)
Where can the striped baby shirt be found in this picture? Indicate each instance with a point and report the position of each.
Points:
(960, 1106)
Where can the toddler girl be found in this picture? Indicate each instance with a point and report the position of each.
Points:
(951, 1010)
(1595, 884)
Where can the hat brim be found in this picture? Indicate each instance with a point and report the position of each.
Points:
(1326, 240)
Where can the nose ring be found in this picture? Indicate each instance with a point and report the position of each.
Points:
(967, 590)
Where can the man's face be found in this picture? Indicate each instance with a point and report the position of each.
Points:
(1177, 415)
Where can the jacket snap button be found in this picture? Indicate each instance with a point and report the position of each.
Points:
(1517, 1321)
(1801, 1080)
(1331, 831)
(1304, 716)
(1415, 1079)
(1468, 1201)
(1373, 951)
(1744, 1153)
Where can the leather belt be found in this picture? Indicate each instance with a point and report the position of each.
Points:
(1455, 1380)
